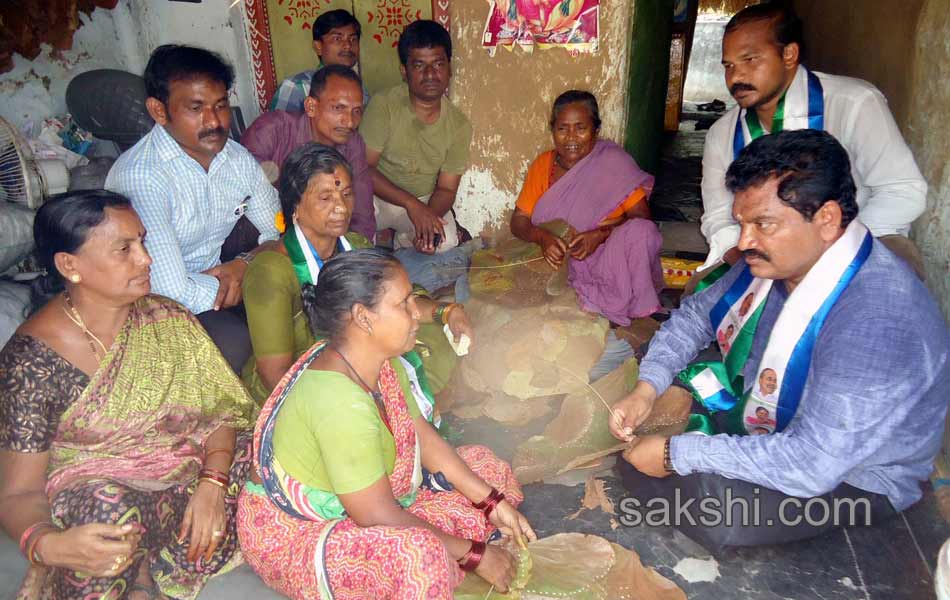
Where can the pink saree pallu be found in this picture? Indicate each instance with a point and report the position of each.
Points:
(303, 552)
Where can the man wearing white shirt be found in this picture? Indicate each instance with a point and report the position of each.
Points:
(760, 54)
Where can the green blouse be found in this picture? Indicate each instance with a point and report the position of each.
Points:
(329, 434)
(279, 325)
(275, 315)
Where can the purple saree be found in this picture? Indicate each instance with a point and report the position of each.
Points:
(620, 280)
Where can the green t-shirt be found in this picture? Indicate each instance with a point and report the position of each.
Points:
(275, 316)
(413, 153)
(329, 434)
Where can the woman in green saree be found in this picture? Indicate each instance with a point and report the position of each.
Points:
(316, 196)
(121, 444)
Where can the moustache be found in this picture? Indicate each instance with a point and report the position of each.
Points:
(741, 87)
(218, 131)
(756, 254)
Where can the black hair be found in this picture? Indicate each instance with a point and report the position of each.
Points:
(423, 33)
(62, 224)
(787, 26)
(812, 166)
(302, 164)
(579, 96)
(318, 82)
(332, 19)
(347, 279)
(173, 62)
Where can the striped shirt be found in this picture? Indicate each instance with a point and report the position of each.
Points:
(188, 213)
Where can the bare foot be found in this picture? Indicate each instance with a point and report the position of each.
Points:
(144, 587)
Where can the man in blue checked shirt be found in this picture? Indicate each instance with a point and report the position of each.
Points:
(190, 185)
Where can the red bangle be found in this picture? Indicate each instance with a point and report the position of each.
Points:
(473, 557)
(214, 472)
(213, 476)
(488, 504)
(28, 545)
(31, 555)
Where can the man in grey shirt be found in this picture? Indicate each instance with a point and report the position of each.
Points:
(856, 345)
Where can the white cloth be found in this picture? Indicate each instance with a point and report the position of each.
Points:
(390, 216)
(891, 190)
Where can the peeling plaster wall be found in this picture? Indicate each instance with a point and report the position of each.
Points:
(217, 25)
(123, 38)
(36, 89)
(508, 99)
(929, 136)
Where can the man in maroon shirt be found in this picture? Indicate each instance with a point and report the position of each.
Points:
(331, 116)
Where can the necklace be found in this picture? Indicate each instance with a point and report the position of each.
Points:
(76, 318)
(557, 160)
(377, 395)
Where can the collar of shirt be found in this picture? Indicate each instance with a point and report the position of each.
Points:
(169, 149)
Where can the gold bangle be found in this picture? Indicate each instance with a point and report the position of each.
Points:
(447, 311)
(212, 481)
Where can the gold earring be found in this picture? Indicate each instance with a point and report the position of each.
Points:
(75, 278)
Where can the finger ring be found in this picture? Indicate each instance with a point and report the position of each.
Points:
(217, 533)
(117, 563)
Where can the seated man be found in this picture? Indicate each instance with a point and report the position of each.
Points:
(417, 143)
(774, 91)
(190, 185)
(843, 331)
(332, 113)
(336, 41)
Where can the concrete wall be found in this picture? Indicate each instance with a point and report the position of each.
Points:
(928, 132)
(36, 89)
(508, 98)
(871, 39)
(123, 38)
(901, 47)
(705, 79)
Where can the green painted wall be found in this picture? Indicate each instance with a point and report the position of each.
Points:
(647, 80)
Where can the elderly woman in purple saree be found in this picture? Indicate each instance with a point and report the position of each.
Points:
(598, 189)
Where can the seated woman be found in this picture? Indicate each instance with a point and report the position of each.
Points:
(340, 447)
(120, 458)
(600, 191)
(316, 192)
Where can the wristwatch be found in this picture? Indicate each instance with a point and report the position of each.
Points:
(667, 461)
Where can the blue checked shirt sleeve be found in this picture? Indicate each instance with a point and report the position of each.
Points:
(169, 277)
(263, 205)
(289, 96)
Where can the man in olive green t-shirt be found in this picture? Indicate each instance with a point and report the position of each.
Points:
(417, 144)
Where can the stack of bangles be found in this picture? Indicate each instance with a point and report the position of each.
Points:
(472, 558)
(214, 477)
(32, 536)
(440, 314)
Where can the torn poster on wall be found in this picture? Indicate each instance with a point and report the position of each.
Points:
(570, 24)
